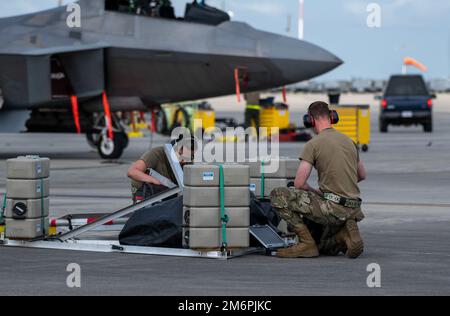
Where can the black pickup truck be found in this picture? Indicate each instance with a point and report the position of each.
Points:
(406, 101)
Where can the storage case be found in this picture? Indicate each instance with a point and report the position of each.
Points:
(27, 189)
(287, 169)
(210, 197)
(211, 238)
(28, 167)
(25, 229)
(269, 185)
(203, 175)
(203, 217)
(33, 208)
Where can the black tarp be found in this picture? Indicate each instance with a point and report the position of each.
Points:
(161, 224)
(156, 226)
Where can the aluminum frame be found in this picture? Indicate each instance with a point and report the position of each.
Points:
(118, 214)
(109, 246)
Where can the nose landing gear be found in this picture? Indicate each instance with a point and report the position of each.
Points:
(112, 148)
(98, 138)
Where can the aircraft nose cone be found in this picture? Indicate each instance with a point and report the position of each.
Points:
(291, 60)
(299, 60)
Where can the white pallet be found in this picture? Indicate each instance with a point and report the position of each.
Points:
(109, 246)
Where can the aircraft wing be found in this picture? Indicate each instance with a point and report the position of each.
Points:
(46, 33)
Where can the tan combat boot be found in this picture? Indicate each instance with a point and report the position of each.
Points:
(307, 247)
(350, 235)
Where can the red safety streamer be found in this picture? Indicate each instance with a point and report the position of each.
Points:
(107, 110)
(238, 85)
(143, 120)
(76, 113)
(284, 95)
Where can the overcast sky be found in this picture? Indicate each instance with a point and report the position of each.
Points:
(415, 28)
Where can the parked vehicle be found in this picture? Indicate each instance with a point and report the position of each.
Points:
(406, 101)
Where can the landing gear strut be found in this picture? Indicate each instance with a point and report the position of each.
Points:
(98, 138)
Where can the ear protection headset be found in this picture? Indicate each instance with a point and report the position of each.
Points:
(310, 122)
(189, 141)
(174, 142)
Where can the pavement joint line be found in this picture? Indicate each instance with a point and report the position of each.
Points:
(92, 196)
(116, 197)
(86, 168)
(424, 253)
(409, 173)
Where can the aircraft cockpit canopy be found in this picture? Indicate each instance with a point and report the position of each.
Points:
(196, 12)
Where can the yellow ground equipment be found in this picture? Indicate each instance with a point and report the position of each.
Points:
(184, 115)
(136, 127)
(206, 114)
(354, 121)
(274, 115)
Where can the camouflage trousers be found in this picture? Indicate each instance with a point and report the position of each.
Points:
(324, 218)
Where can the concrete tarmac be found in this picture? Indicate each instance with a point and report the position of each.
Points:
(407, 204)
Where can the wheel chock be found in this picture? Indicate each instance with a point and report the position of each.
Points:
(137, 134)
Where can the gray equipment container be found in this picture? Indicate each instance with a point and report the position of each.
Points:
(287, 169)
(203, 175)
(32, 209)
(202, 217)
(28, 167)
(211, 238)
(210, 197)
(269, 185)
(25, 229)
(27, 189)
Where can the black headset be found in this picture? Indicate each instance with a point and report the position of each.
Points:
(175, 141)
(192, 141)
(310, 122)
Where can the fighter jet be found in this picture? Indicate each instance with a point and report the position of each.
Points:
(135, 59)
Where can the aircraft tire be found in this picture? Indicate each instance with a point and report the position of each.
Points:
(93, 139)
(161, 122)
(181, 119)
(112, 149)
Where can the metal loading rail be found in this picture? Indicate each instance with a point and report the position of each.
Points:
(111, 246)
(123, 212)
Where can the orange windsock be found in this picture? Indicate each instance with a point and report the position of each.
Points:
(408, 61)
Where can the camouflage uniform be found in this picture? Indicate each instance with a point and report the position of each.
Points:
(301, 207)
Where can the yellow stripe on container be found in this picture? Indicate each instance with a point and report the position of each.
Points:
(208, 119)
(354, 121)
(274, 117)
